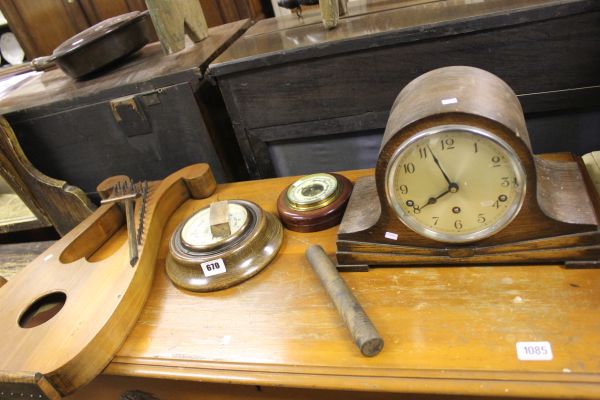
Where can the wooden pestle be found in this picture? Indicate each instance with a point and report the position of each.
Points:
(358, 323)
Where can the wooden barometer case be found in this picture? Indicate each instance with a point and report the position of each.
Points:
(456, 183)
(222, 245)
(314, 202)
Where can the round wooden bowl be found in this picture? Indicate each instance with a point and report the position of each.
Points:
(316, 219)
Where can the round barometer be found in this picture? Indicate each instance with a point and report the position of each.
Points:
(314, 202)
(222, 245)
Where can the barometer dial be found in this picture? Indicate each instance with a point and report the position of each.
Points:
(314, 202)
(196, 232)
(312, 191)
(455, 183)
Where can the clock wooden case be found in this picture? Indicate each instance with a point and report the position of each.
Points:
(554, 218)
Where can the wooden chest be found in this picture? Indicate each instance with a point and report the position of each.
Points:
(148, 117)
(303, 99)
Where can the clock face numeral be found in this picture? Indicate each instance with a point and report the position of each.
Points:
(496, 161)
(447, 144)
(409, 168)
(465, 184)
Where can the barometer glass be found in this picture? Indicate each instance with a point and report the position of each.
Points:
(312, 191)
(196, 232)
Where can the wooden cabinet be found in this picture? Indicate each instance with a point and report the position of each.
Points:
(304, 100)
(148, 117)
(41, 25)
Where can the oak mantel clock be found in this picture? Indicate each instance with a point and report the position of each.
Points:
(456, 183)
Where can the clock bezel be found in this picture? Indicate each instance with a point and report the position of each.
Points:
(416, 226)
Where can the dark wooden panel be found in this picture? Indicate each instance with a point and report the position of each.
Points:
(40, 26)
(229, 10)
(85, 145)
(145, 119)
(212, 13)
(294, 79)
(54, 91)
(544, 56)
(98, 10)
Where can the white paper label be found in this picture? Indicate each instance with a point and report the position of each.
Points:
(213, 267)
(453, 100)
(534, 351)
(390, 235)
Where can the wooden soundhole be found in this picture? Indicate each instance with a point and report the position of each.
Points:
(42, 310)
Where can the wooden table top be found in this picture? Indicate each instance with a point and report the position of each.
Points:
(447, 330)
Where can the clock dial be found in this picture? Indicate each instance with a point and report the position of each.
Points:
(455, 183)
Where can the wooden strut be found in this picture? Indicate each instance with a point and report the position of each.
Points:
(356, 320)
(101, 299)
(173, 19)
(331, 10)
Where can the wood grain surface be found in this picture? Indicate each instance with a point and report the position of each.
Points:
(447, 330)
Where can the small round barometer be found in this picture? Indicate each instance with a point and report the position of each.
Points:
(314, 202)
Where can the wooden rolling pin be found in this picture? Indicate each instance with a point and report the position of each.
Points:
(358, 323)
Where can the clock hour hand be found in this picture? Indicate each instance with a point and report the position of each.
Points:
(452, 188)
(437, 162)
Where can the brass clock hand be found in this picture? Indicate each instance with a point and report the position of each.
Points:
(437, 162)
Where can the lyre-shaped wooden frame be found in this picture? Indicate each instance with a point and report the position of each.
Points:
(104, 294)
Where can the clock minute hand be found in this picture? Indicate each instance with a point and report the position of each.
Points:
(437, 162)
